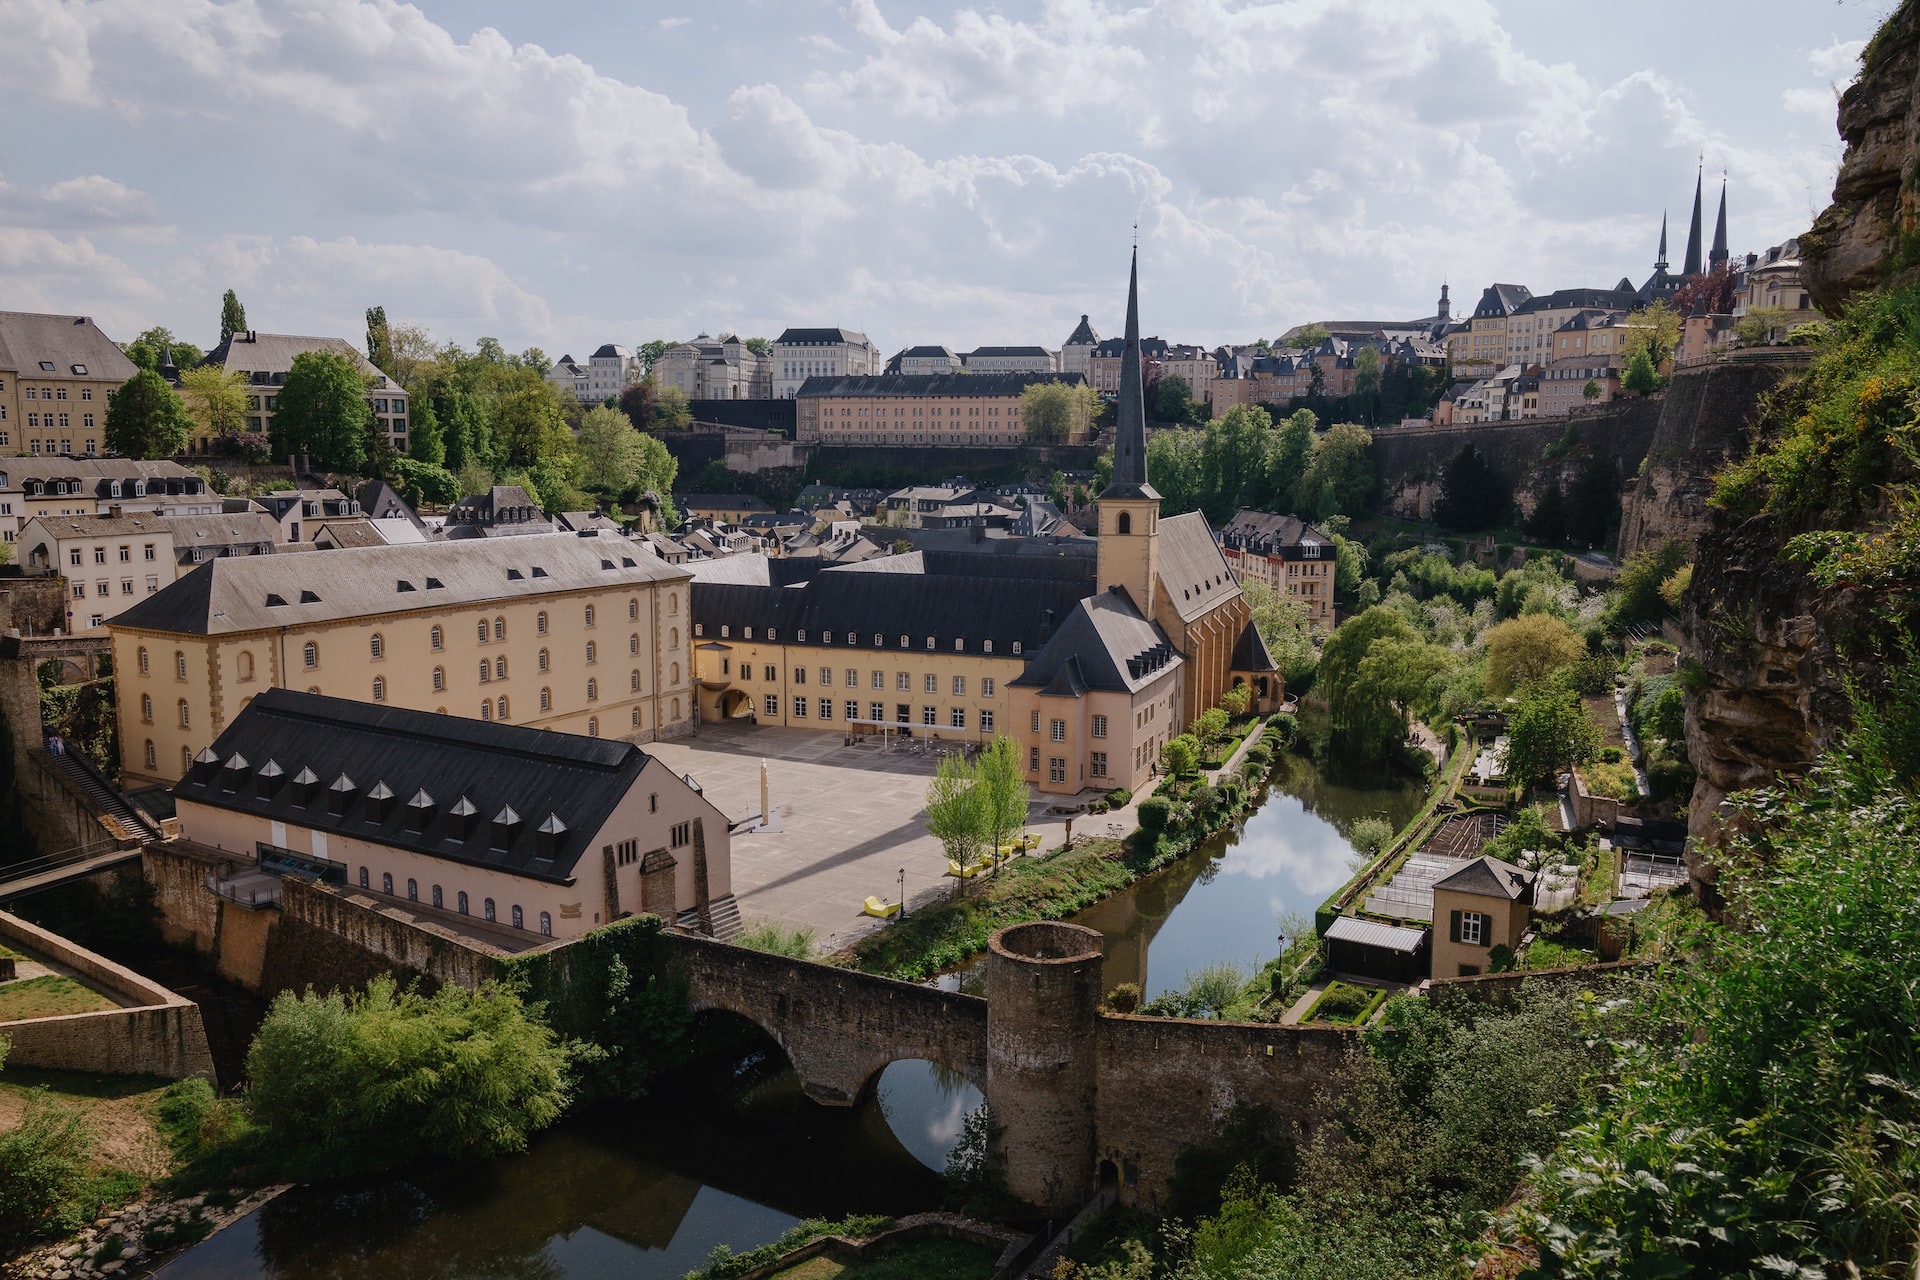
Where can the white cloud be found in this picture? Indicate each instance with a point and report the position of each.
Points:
(1839, 60)
(668, 24)
(92, 201)
(1819, 103)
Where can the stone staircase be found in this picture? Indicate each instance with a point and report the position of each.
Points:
(104, 797)
(724, 914)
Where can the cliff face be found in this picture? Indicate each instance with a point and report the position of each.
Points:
(1873, 223)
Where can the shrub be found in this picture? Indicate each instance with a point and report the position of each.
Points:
(1214, 986)
(1155, 813)
(1119, 798)
(1610, 755)
(1124, 998)
(1369, 835)
(1342, 1002)
(777, 939)
(1180, 758)
(1500, 958)
(42, 1171)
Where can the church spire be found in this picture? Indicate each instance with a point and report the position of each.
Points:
(1660, 262)
(1719, 255)
(1691, 266)
(1130, 429)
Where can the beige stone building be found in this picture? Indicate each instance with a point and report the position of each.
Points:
(965, 410)
(800, 354)
(498, 829)
(1485, 904)
(1287, 554)
(266, 358)
(55, 373)
(723, 368)
(113, 561)
(1480, 347)
(587, 635)
(62, 485)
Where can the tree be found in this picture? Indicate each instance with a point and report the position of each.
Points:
(1180, 757)
(1526, 650)
(145, 419)
(379, 340)
(657, 472)
(1283, 625)
(671, 410)
(535, 359)
(760, 346)
(1592, 391)
(1367, 726)
(1234, 449)
(1173, 400)
(1339, 475)
(233, 316)
(423, 482)
(1054, 412)
(1366, 376)
(1593, 504)
(1761, 324)
(1211, 726)
(1549, 733)
(529, 427)
(216, 399)
(610, 451)
(389, 1072)
(425, 442)
(1400, 669)
(650, 353)
(152, 344)
(714, 478)
(1641, 377)
(1713, 287)
(1547, 522)
(1176, 466)
(323, 412)
(1472, 494)
(1655, 330)
(1308, 336)
(1003, 782)
(1287, 453)
(957, 811)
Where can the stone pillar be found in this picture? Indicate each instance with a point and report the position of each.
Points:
(657, 871)
(607, 866)
(1043, 1001)
(702, 899)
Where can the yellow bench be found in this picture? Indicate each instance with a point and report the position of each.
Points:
(967, 872)
(881, 910)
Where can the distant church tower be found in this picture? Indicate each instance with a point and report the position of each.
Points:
(1444, 312)
(1718, 257)
(1129, 546)
(1690, 266)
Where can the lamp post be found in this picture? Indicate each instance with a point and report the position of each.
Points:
(903, 893)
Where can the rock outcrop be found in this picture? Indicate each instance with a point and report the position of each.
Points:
(1870, 234)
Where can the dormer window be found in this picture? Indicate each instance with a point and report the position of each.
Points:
(800, 636)
(725, 631)
(1016, 646)
(929, 644)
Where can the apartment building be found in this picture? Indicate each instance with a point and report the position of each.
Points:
(114, 560)
(55, 374)
(1480, 347)
(63, 485)
(1287, 554)
(570, 377)
(266, 358)
(924, 360)
(1077, 350)
(1193, 365)
(799, 354)
(723, 368)
(942, 410)
(1106, 358)
(577, 634)
(499, 830)
(1010, 360)
(1533, 330)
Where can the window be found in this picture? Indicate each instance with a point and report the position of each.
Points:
(1056, 769)
(589, 615)
(486, 671)
(309, 652)
(986, 722)
(460, 902)
(180, 664)
(413, 889)
(487, 909)
(386, 883)
(879, 680)
(436, 639)
(519, 920)
(540, 622)
(592, 652)
(1057, 730)
(375, 646)
(500, 707)
(1016, 646)
(500, 668)
(483, 630)
(1099, 726)
(1033, 760)
(379, 688)
(499, 628)
(852, 709)
(853, 678)
(1474, 927)
(928, 716)
(544, 660)
(546, 923)
(633, 611)
(486, 709)
(772, 703)
(146, 708)
(826, 708)
(930, 683)
(959, 718)
(800, 708)
(593, 690)
(363, 878)
(680, 834)
(186, 720)
(826, 675)
(150, 755)
(633, 647)
(438, 899)
(1099, 766)
(902, 681)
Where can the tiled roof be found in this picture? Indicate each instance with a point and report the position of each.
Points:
(820, 337)
(27, 338)
(931, 384)
(1489, 877)
(1103, 644)
(257, 352)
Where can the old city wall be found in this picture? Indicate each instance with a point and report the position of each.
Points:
(235, 938)
(330, 938)
(155, 1032)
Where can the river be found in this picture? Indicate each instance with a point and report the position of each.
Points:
(734, 1153)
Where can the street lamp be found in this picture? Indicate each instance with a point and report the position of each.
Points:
(903, 893)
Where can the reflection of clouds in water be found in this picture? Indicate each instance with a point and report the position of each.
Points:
(1284, 839)
(926, 1106)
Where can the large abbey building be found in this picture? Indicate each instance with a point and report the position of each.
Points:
(1091, 665)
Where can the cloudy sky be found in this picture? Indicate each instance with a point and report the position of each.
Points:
(571, 172)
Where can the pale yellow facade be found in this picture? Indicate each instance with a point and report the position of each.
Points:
(1101, 741)
(1484, 922)
(947, 421)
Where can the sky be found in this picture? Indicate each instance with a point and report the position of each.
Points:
(567, 173)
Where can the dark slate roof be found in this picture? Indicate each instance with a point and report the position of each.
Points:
(1114, 348)
(978, 352)
(724, 501)
(1501, 300)
(962, 542)
(931, 384)
(611, 351)
(379, 501)
(1561, 299)
(1489, 877)
(1193, 573)
(1269, 534)
(1104, 644)
(926, 353)
(820, 337)
(536, 773)
(866, 601)
(1082, 335)
(1250, 651)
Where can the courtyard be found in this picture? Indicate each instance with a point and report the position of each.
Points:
(849, 822)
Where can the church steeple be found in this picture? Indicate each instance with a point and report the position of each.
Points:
(1130, 428)
(1691, 265)
(1445, 311)
(1660, 262)
(1718, 256)
(1128, 554)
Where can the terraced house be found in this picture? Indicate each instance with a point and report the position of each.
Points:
(583, 634)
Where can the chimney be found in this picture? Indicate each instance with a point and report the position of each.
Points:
(266, 783)
(419, 810)
(461, 819)
(113, 512)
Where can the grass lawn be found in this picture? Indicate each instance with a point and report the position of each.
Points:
(48, 996)
(915, 1260)
(1542, 954)
(1613, 780)
(1345, 1004)
(1596, 889)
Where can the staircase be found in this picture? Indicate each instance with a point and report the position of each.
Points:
(723, 914)
(104, 797)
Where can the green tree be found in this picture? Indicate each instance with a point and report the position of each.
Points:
(1366, 377)
(1180, 757)
(1339, 475)
(1549, 733)
(1003, 782)
(1308, 336)
(1176, 466)
(147, 349)
(1635, 595)
(671, 410)
(425, 441)
(957, 811)
(422, 482)
(1592, 507)
(233, 316)
(658, 472)
(1211, 726)
(217, 400)
(1526, 650)
(534, 359)
(1173, 400)
(1234, 449)
(388, 1073)
(1290, 447)
(529, 426)
(323, 412)
(650, 353)
(1367, 726)
(1473, 494)
(1283, 624)
(1054, 411)
(145, 419)
(1547, 522)
(610, 451)
(1369, 836)
(1654, 329)
(1592, 391)
(760, 346)
(1641, 376)
(379, 340)
(1401, 670)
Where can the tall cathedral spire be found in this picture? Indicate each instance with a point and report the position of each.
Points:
(1660, 263)
(1130, 430)
(1691, 266)
(1718, 256)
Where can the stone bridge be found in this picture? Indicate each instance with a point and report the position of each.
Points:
(1083, 1100)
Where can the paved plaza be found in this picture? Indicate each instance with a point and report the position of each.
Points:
(850, 820)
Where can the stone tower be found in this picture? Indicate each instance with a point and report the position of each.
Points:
(1444, 311)
(1043, 1004)
(1129, 550)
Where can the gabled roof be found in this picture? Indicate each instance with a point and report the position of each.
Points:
(611, 351)
(1082, 335)
(73, 345)
(494, 766)
(1489, 877)
(1193, 573)
(983, 352)
(1371, 933)
(1103, 644)
(1250, 651)
(1268, 533)
(257, 352)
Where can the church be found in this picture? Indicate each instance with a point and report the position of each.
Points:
(1090, 664)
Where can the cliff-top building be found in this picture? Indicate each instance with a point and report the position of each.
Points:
(55, 373)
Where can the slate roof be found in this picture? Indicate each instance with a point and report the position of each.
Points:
(536, 774)
(343, 534)
(724, 501)
(1561, 299)
(1489, 877)
(1082, 335)
(925, 353)
(380, 501)
(1501, 300)
(980, 352)
(611, 351)
(273, 353)
(1270, 534)
(96, 475)
(1371, 933)
(820, 337)
(245, 528)
(235, 595)
(1193, 573)
(1103, 644)
(29, 337)
(1250, 652)
(930, 384)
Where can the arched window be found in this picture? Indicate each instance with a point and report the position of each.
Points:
(546, 699)
(310, 654)
(500, 668)
(379, 688)
(438, 900)
(386, 883)
(499, 628)
(673, 637)
(519, 918)
(545, 661)
(486, 907)
(633, 680)
(146, 708)
(633, 611)
(460, 902)
(589, 615)
(633, 643)
(363, 877)
(486, 709)
(413, 889)
(436, 639)
(376, 646)
(673, 604)
(592, 651)
(180, 665)
(593, 727)
(675, 672)
(486, 671)
(593, 691)
(143, 660)
(483, 631)
(246, 665)
(1125, 523)
(439, 679)
(151, 759)
(546, 924)
(186, 717)
(500, 708)
(540, 622)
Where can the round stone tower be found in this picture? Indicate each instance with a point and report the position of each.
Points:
(1043, 1001)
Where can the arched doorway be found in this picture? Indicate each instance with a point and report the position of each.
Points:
(736, 704)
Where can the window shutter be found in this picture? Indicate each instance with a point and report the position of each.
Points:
(1486, 929)
(1453, 926)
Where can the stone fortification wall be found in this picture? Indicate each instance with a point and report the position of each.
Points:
(1497, 988)
(332, 938)
(233, 937)
(839, 1028)
(156, 1033)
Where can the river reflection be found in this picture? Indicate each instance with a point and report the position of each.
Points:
(732, 1157)
(1226, 899)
